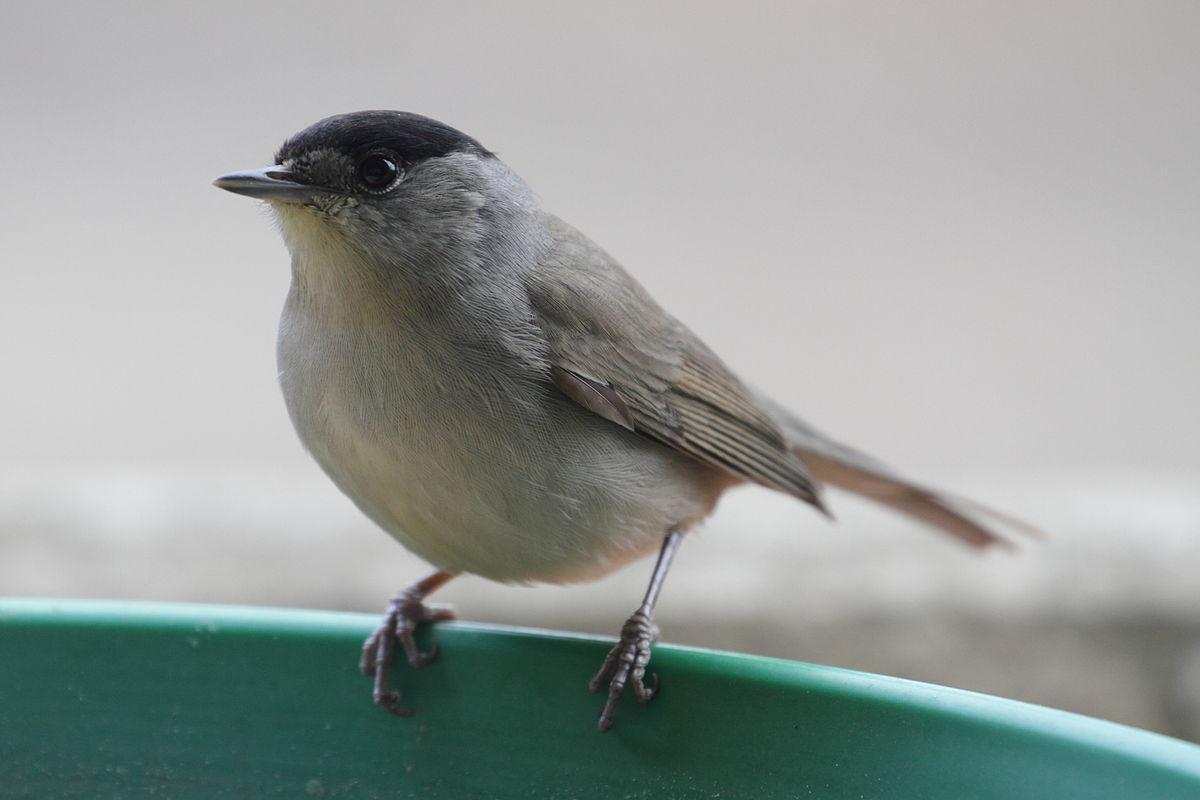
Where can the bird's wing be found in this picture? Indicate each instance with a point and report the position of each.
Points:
(615, 352)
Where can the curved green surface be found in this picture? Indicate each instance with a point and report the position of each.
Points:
(133, 701)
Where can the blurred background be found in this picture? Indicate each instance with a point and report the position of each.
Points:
(960, 236)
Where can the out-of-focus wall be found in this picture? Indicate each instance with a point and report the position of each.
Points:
(962, 237)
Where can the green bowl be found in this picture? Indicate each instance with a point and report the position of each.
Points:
(120, 700)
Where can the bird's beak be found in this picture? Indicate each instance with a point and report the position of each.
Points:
(268, 183)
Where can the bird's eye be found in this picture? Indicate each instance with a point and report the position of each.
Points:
(377, 173)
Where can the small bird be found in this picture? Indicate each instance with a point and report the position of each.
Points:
(496, 392)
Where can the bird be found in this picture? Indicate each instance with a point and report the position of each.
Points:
(497, 393)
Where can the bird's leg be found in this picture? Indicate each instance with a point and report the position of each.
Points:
(626, 663)
(405, 612)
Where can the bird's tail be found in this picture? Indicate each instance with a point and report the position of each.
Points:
(837, 465)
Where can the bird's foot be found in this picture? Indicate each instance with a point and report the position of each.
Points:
(625, 665)
(405, 612)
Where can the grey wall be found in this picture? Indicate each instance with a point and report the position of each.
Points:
(962, 236)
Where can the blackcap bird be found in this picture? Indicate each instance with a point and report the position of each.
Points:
(498, 394)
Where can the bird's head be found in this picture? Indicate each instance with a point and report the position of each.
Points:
(390, 185)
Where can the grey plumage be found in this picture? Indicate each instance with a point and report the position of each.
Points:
(598, 319)
(494, 389)
(599, 322)
(501, 396)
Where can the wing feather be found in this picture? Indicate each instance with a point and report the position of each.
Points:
(614, 351)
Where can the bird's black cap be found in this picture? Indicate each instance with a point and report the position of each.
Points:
(412, 137)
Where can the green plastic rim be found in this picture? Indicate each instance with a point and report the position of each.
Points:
(128, 700)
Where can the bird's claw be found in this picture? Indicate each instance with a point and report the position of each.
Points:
(405, 612)
(390, 701)
(625, 665)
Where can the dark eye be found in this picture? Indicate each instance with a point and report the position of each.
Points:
(377, 172)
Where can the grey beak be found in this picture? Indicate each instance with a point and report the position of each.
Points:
(268, 183)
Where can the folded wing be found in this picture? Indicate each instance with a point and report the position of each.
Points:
(614, 351)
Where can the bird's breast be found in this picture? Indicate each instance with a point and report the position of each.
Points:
(476, 463)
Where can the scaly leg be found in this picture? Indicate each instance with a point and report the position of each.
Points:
(405, 612)
(626, 663)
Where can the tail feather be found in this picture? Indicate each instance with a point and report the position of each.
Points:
(909, 499)
(846, 468)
